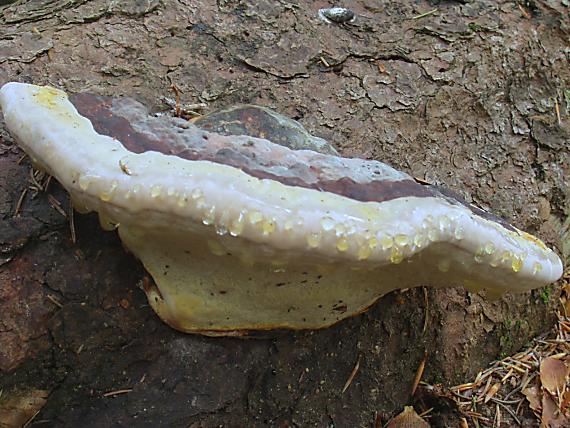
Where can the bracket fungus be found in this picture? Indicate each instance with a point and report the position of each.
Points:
(242, 234)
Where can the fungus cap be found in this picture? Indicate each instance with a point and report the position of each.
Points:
(243, 234)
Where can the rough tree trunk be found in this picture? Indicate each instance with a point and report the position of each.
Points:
(465, 97)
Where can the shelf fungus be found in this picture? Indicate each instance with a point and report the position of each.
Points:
(242, 234)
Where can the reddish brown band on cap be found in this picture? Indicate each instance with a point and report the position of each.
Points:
(99, 110)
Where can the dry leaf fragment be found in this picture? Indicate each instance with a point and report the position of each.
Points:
(551, 416)
(553, 375)
(533, 395)
(408, 419)
(565, 402)
(419, 373)
(18, 408)
(492, 391)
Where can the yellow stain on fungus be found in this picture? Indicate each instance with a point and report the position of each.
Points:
(49, 97)
(533, 239)
(536, 268)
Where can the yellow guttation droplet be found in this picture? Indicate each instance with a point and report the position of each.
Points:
(84, 182)
(364, 252)
(200, 203)
(506, 256)
(106, 222)
(155, 191)
(517, 263)
(268, 226)
(536, 268)
(254, 217)
(459, 233)
(401, 240)
(222, 224)
(340, 229)
(327, 224)
(479, 255)
(342, 244)
(182, 201)
(432, 234)
(79, 206)
(288, 224)
(209, 216)
(396, 256)
(372, 242)
(171, 191)
(386, 242)
(236, 226)
(444, 223)
(196, 194)
(107, 196)
(420, 240)
(278, 265)
(489, 248)
(313, 240)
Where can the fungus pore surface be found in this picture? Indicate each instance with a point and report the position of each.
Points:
(242, 234)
